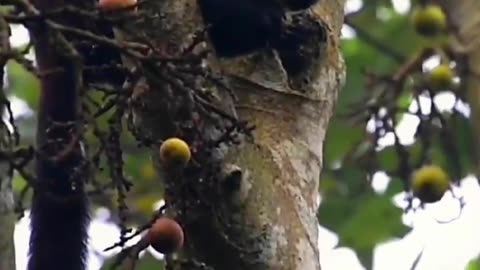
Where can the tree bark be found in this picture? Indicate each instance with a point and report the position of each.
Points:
(464, 17)
(7, 219)
(270, 221)
(7, 214)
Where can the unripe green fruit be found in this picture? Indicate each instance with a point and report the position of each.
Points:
(430, 183)
(429, 20)
(441, 77)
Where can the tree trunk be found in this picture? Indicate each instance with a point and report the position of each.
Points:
(464, 19)
(7, 215)
(7, 219)
(270, 221)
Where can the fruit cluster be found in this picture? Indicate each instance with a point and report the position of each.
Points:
(166, 235)
(430, 21)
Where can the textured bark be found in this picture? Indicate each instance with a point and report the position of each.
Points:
(270, 222)
(7, 220)
(7, 215)
(464, 16)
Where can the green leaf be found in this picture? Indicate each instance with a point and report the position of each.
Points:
(6, 9)
(23, 84)
(336, 145)
(374, 220)
(473, 265)
(388, 159)
(147, 262)
(454, 152)
(18, 183)
(361, 218)
(395, 186)
(463, 135)
(403, 101)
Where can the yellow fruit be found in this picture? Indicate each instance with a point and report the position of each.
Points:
(174, 152)
(441, 77)
(429, 20)
(429, 183)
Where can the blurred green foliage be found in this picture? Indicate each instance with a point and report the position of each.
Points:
(148, 262)
(473, 265)
(361, 217)
(24, 85)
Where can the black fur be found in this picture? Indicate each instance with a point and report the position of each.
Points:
(299, 4)
(101, 61)
(59, 211)
(239, 27)
(59, 233)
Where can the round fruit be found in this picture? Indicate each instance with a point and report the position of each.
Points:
(109, 5)
(166, 235)
(175, 152)
(429, 20)
(441, 77)
(429, 183)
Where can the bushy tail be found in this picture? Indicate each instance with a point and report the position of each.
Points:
(59, 232)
